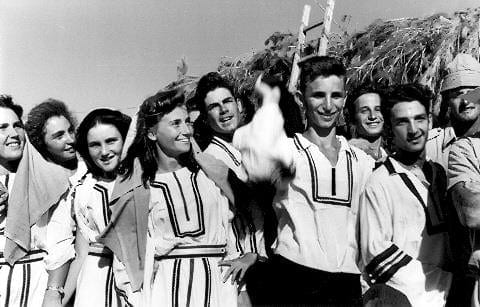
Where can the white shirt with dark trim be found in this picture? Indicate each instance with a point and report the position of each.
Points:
(317, 210)
(248, 236)
(400, 246)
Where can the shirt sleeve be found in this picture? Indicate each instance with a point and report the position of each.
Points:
(60, 234)
(463, 164)
(265, 148)
(384, 261)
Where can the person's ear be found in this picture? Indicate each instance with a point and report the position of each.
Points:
(430, 121)
(239, 105)
(299, 98)
(151, 135)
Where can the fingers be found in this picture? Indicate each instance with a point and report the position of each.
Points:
(228, 273)
(268, 94)
(225, 263)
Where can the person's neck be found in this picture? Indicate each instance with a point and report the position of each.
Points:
(466, 128)
(410, 159)
(108, 177)
(226, 137)
(167, 164)
(8, 166)
(70, 164)
(322, 137)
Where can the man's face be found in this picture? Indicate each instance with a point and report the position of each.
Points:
(324, 98)
(409, 126)
(368, 115)
(223, 111)
(460, 109)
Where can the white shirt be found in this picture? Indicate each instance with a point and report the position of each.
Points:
(400, 244)
(317, 211)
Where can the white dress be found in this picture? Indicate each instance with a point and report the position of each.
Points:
(24, 284)
(188, 231)
(96, 283)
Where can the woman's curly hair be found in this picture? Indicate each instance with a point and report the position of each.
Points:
(38, 117)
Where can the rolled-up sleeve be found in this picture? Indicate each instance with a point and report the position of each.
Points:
(60, 234)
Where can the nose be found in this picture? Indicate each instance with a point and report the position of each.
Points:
(223, 108)
(372, 115)
(328, 103)
(104, 150)
(70, 138)
(186, 129)
(12, 131)
(412, 127)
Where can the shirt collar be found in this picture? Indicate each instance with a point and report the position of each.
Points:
(344, 146)
(448, 138)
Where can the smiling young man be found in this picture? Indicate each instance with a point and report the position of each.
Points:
(363, 107)
(316, 201)
(402, 212)
(461, 115)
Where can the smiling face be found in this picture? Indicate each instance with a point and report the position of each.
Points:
(462, 110)
(324, 99)
(409, 121)
(59, 139)
(12, 136)
(105, 146)
(172, 133)
(368, 115)
(223, 111)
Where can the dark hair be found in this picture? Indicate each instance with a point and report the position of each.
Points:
(143, 148)
(319, 66)
(6, 101)
(402, 93)
(208, 83)
(99, 116)
(38, 117)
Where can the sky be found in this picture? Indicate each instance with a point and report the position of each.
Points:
(115, 53)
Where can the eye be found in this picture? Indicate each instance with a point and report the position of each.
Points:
(93, 144)
(213, 106)
(337, 95)
(18, 124)
(3, 126)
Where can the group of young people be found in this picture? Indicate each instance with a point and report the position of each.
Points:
(167, 211)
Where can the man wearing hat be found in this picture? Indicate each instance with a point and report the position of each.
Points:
(457, 148)
(462, 114)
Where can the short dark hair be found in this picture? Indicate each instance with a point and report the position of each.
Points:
(210, 82)
(406, 92)
(6, 101)
(319, 66)
(38, 117)
(353, 95)
(99, 116)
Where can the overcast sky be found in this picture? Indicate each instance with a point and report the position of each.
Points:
(115, 53)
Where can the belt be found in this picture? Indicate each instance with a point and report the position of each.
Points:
(99, 250)
(194, 251)
(31, 256)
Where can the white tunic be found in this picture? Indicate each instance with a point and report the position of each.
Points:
(248, 236)
(23, 284)
(317, 211)
(97, 280)
(188, 215)
(403, 235)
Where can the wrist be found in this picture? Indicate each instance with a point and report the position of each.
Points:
(55, 291)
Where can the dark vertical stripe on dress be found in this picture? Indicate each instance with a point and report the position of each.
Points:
(190, 281)
(334, 188)
(176, 282)
(27, 287)
(183, 196)
(24, 284)
(9, 285)
(208, 282)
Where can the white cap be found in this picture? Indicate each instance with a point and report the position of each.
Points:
(464, 70)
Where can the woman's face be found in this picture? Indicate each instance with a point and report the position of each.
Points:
(172, 133)
(59, 139)
(105, 145)
(12, 136)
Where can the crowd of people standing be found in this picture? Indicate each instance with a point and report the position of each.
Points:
(223, 210)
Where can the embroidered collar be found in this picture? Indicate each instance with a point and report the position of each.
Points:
(344, 146)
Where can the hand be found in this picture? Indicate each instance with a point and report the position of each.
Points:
(52, 299)
(238, 267)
